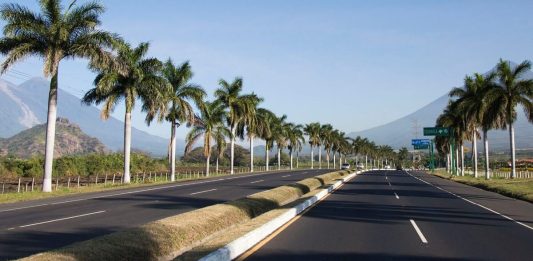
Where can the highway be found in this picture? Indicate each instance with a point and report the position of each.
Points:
(400, 215)
(30, 227)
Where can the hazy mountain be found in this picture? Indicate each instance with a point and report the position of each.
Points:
(25, 105)
(399, 133)
(70, 140)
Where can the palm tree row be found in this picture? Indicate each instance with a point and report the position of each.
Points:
(485, 102)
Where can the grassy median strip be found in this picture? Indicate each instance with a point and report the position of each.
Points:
(515, 188)
(169, 237)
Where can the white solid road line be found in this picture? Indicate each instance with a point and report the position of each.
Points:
(204, 191)
(422, 237)
(135, 191)
(257, 181)
(396, 195)
(61, 219)
(474, 203)
(285, 176)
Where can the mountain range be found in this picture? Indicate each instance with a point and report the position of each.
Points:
(25, 105)
(398, 133)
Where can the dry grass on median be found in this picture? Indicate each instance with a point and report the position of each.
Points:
(169, 237)
(514, 188)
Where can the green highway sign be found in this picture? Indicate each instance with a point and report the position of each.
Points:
(421, 146)
(437, 131)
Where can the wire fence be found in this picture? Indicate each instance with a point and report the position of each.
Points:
(29, 184)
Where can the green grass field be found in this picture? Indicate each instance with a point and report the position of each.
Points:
(515, 188)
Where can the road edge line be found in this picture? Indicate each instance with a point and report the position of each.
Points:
(242, 244)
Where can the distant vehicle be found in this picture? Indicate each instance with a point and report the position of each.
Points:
(360, 166)
(387, 167)
(345, 166)
(398, 167)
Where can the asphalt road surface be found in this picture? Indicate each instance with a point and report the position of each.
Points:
(30, 227)
(399, 215)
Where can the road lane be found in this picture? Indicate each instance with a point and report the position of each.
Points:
(120, 210)
(410, 219)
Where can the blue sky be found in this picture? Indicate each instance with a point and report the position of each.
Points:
(354, 64)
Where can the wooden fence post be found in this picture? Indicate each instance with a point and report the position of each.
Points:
(105, 180)
(57, 183)
(32, 183)
(96, 180)
(18, 187)
(78, 181)
(68, 182)
(113, 179)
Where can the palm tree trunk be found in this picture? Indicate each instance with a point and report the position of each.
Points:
(327, 157)
(513, 156)
(50, 134)
(232, 148)
(251, 154)
(366, 161)
(297, 159)
(312, 157)
(474, 152)
(279, 158)
(448, 163)
(456, 159)
(334, 160)
(486, 149)
(173, 152)
(207, 166)
(127, 145)
(290, 155)
(216, 169)
(320, 156)
(266, 158)
(462, 160)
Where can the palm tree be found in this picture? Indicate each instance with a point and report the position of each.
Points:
(180, 109)
(324, 140)
(295, 137)
(280, 135)
(253, 123)
(238, 106)
(472, 102)
(512, 90)
(453, 119)
(140, 79)
(219, 134)
(54, 34)
(267, 133)
(208, 126)
(312, 130)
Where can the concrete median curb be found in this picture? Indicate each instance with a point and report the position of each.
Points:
(239, 246)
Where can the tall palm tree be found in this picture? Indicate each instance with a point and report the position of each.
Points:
(180, 109)
(219, 135)
(295, 137)
(267, 133)
(139, 79)
(253, 123)
(512, 90)
(312, 130)
(453, 119)
(472, 102)
(280, 136)
(54, 34)
(325, 131)
(206, 126)
(238, 106)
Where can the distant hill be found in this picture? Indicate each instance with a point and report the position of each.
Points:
(25, 106)
(70, 140)
(399, 133)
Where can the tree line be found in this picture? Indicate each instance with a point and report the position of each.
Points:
(485, 102)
